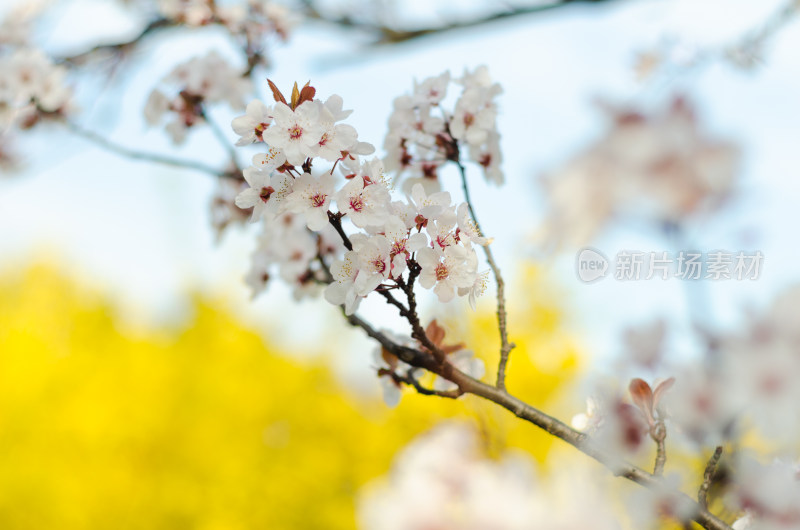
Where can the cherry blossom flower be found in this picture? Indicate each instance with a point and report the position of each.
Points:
(272, 159)
(445, 271)
(467, 227)
(253, 123)
(443, 480)
(489, 156)
(343, 290)
(195, 84)
(297, 132)
(401, 245)
(266, 194)
(770, 493)
(661, 164)
(432, 90)
(311, 197)
(364, 204)
(33, 87)
(374, 261)
(474, 117)
(334, 138)
(427, 207)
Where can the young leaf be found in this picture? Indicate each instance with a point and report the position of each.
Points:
(276, 94)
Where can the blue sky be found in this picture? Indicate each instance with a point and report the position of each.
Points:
(142, 231)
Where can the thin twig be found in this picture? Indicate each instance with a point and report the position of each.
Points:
(659, 435)
(708, 477)
(502, 324)
(335, 220)
(409, 379)
(121, 150)
(220, 136)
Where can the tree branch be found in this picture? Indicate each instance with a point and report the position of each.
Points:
(659, 435)
(121, 150)
(389, 35)
(120, 47)
(549, 424)
(502, 325)
(708, 477)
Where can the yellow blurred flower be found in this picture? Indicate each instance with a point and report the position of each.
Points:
(207, 427)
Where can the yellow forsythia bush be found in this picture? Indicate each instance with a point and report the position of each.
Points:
(207, 427)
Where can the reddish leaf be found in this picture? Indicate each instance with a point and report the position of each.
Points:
(307, 93)
(661, 389)
(642, 396)
(276, 94)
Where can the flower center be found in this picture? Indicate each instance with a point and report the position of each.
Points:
(266, 192)
(324, 139)
(295, 132)
(379, 265)
(318, 200)
(398, 247)
(469, 119)
(357, 203)
(441, 272)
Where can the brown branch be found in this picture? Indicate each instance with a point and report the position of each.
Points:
(708, 477)
(502, 324)
(410, 380)
(549, 424)
(335, 219)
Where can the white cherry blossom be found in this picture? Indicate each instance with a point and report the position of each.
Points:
(266, 194)
(297, 132)
(445, 271)
(253, 123)
(311, 197)
(343, 289)
(365, 204)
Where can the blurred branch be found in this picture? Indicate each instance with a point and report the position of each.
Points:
(389, 35)
(121, 150)
(708, 476)
(121, 47)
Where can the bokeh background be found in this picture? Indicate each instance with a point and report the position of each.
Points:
(140, 387)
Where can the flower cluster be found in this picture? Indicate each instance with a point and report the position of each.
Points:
(661, 165)
(424, 134)
(424, 236)
(253, 18)
(745, 390)
(31, 88)
(442, 480)
(196, 83)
